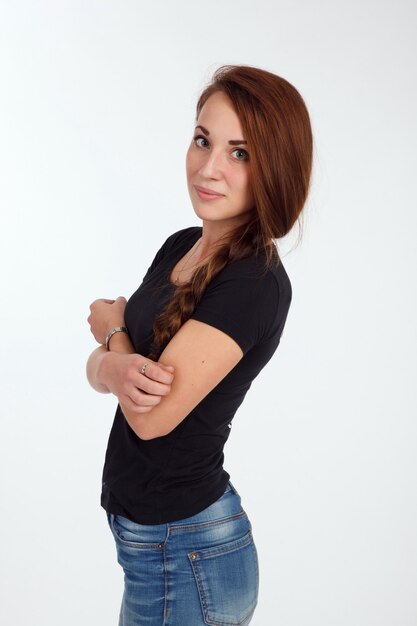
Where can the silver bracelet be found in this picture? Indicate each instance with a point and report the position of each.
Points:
(117, 329)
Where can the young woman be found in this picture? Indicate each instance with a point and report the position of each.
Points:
(181, 354)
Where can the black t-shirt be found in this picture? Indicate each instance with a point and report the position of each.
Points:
(178, 475)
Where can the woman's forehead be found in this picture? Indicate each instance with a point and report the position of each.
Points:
(217, 116)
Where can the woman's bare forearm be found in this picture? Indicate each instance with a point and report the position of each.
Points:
(93, 367)
(120, 370)
(119, 343)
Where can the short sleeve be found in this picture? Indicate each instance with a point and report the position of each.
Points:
(243, 303)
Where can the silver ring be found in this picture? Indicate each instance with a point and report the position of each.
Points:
(143, 368)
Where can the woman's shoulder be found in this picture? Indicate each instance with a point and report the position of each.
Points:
(181, 236)
(254, 270)
(251, 270)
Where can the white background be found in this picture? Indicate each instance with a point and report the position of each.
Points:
(96, 112)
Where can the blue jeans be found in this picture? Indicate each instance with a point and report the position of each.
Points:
(195, 571)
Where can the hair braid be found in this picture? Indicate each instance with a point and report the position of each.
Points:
(243, 242)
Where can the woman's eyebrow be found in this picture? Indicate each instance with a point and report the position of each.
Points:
(232, 142)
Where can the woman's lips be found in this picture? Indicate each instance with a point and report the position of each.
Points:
(207, 194)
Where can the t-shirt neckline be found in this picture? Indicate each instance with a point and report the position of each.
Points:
(188, 244)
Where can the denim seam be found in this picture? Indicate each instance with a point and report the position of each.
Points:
(166, 582)
(208, 617)
(200, 589)
(200, 525)
(134, 544)
(246, 540)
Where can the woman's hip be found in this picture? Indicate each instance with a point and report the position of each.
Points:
(223, 519)
(207, 561)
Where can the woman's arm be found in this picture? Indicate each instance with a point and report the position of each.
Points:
(153, 405)
(118, 371)
(202, 356)
(104, 315)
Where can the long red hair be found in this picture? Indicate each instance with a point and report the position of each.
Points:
(276, 125)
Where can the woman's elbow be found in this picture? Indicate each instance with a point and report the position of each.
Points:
(147, 434)
(142, 425)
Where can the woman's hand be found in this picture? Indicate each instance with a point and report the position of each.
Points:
(105, 315)
(118, 371)
(138, 393)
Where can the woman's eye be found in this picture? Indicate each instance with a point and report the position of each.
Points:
(202, 142)
(199, 141)
(241, 155)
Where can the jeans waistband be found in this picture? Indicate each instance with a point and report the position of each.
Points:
(230, 487)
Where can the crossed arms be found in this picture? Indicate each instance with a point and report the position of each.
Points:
(199, 357)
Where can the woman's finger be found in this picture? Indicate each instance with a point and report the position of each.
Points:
(129, 401)
(153, 371)
(151, 387)
(140, 398)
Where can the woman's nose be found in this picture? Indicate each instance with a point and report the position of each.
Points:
(212, 166)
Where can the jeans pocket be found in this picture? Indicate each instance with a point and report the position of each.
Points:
(131, 534)
(227, 578)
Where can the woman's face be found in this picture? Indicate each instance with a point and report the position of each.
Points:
(218, 162)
